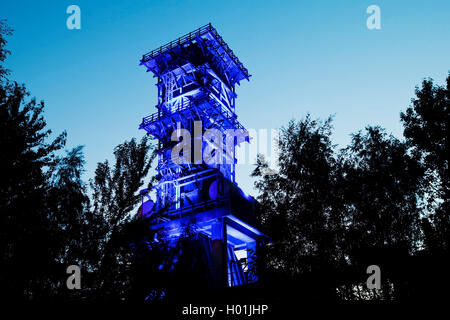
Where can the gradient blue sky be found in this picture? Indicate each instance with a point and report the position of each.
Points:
(304, 56)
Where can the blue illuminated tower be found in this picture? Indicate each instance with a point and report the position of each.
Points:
(196, 78)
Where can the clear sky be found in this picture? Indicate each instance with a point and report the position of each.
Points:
(304, 56)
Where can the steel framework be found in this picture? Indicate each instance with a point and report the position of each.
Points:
(196, 78)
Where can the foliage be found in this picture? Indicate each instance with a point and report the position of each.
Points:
(25, 227)
(299, 205)
(4, 31)
(426, 132)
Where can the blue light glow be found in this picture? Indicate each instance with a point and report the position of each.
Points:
(197, 194)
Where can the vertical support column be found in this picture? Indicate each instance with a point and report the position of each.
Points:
(225, 249)
(177, 192)
(177, 197)
(219, 253)
(198, 142)
(233, 165)
(160, 94)
(251, 261)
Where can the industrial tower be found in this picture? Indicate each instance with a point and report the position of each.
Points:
(196, 78)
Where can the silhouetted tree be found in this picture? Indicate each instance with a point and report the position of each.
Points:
(77, 230)
(299, 206)
(426, 132)
(382, 190)
(326, 211)
(4, 31)
(115, 196)
(45, 222)
(382, 197)
(25, 229)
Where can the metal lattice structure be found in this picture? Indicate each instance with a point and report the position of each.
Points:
(196, 78)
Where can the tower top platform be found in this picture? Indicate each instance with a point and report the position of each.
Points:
(198, 47)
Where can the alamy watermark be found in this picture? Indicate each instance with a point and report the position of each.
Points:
(373, 22)
(215, 147)
(374, 280)
(74, 20)
(74, 280)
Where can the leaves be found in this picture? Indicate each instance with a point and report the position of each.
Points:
(326, 207)
(115, 190)
(4, 31)
(426, 132)
(298, 205)
(26, 228)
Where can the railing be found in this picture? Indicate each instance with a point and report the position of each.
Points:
(190, 37)
(186, 104)
(182, 211)
(158, 115)
(181, 40)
